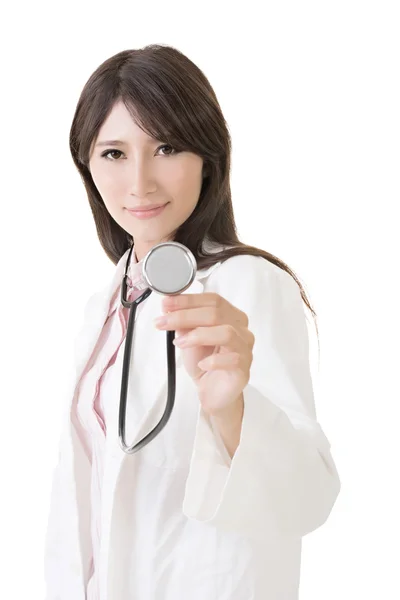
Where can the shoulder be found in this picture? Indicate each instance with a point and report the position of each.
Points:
(249, 271)
(256, 286)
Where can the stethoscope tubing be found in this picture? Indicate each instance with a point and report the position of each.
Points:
(171, 366)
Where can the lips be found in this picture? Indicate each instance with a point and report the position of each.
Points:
(143, 209)
(148, 213)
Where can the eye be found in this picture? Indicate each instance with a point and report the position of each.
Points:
(105, 154)
(168, 146)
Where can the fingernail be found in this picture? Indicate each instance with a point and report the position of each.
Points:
(160, 321)
(181, 340)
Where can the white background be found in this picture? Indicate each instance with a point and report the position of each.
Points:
(310, 91)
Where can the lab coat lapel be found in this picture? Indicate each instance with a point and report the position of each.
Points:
(95, 316)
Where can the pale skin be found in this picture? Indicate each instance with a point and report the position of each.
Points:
(218, 354)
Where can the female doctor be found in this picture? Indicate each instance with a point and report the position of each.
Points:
(215, 507)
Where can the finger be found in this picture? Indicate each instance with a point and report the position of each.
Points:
(190, 318)
(181, 301)
(224, 336)
(224, 311)
(231, 361)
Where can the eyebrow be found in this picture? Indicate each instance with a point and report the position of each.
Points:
(117, 143)
(110, 143)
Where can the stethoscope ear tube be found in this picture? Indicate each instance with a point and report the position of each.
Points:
(170, 335)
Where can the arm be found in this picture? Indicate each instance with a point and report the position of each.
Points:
(229, 426)
(282, 474)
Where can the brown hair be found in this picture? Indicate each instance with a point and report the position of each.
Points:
(170, 98)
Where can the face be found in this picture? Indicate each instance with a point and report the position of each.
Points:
(140, 171)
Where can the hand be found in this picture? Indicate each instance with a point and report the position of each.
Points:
(216, 348)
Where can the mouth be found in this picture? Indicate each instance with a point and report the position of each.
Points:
(147, 213)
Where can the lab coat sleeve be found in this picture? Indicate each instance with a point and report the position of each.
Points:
(282, 475)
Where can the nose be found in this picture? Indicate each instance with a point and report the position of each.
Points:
(142, 177)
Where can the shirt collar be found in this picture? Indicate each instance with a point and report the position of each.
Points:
(134, 273)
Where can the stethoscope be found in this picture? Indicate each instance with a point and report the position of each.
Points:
(168, 268)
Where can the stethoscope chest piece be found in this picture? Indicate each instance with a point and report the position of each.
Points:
(169, 268)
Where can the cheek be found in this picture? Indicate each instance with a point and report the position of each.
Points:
(110, 189)
(185, 203)
(185, 185)
(108, 183)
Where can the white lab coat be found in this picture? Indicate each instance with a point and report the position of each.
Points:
(281, 484)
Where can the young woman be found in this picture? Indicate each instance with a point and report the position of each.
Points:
(215, 507)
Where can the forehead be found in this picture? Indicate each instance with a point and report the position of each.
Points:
(120, 128)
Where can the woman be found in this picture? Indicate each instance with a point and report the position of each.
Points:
(216, 505)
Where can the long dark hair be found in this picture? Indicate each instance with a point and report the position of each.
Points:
(170, 98)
